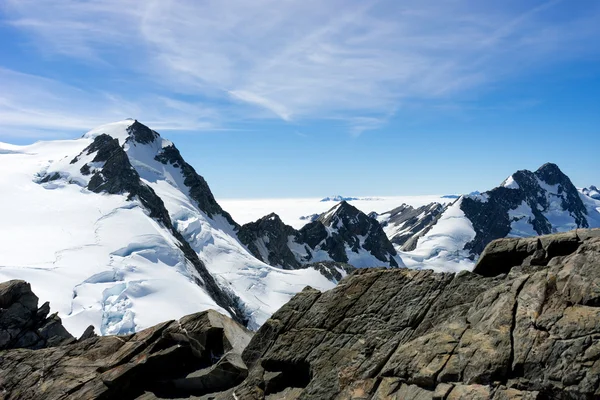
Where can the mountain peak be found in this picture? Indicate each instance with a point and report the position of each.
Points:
(140, 133)
(551, 174)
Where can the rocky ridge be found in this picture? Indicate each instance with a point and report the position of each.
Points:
(23, 324)
(343, 234)
(404, 225)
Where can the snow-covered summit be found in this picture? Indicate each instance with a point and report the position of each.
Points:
(116, 230)
(525, 204)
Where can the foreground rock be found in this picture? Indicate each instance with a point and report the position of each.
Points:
(533, 333)
(22, 324)
(196, 355)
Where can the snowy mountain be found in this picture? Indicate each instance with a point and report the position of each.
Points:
(404, 225)
(525, 204)
(592, 192)
(116, 230)
(342, 234)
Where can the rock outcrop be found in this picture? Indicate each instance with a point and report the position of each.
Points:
(197, 355)
(530, 333)
(23, 324)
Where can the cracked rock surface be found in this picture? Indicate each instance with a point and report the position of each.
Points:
(531, 333)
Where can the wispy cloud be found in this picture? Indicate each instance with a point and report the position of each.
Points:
(34, 106)
(308, 58)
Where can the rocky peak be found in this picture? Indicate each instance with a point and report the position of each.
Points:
(552, 175)
(539, 202)
(267, 239)
(348, 227)
(341, 210)
(342, 234)
(140, 133)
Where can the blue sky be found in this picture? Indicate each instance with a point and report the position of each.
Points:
(272, 98)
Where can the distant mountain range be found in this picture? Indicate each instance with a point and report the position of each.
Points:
(343, 198)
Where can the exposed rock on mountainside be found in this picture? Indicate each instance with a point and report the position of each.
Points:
(533, 333)
(23, 324)
(404, 225)
(267, 239)
(592, 192)
(196, 355)
(343, 234)
(525, 204)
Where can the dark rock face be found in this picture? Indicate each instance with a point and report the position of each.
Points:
(22, 324)
(411, 223)
(491, 219)
(341, 228)
(196, 355)
(348, 224)
(117, 176)
(267, 239)
(533, 333)
(140, 133)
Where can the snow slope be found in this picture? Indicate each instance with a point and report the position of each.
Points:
(261, 288)
(97, 259)
(442, 247)
(100, 259)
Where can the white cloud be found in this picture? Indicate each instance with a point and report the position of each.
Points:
(314, 59)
